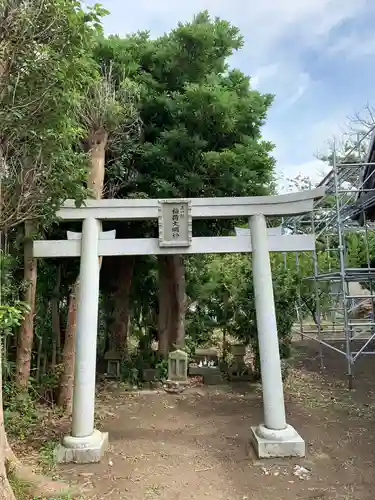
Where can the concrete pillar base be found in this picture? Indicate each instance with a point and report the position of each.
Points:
(84, 450)
(269, 443)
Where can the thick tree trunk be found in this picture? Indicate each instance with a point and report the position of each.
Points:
(65, 398)
(172, 303)
(96, 145)
(6, 492)
(26, 332)
(164, 306)
(119, 328)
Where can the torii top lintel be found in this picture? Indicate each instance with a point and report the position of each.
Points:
(201, 208)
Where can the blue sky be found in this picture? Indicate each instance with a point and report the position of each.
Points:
(316, 56)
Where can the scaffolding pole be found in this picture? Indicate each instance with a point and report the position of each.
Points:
(334, 222)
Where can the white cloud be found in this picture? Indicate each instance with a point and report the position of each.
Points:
(263, 24)
(286, 81)
(264, 74)
(324, 132)
(314, 170)
(353, 46)
(294, 88)
(310, 143)
(276, 33)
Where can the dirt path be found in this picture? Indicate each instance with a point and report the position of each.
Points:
(195, 446)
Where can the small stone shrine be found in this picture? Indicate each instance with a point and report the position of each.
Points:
(178, 366)
(113, 359)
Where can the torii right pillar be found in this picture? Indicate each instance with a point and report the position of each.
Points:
(274, 437)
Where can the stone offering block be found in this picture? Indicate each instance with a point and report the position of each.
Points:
(211, 375)
(195, 371)
(149, 374)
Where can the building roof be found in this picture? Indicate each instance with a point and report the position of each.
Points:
(365, 203)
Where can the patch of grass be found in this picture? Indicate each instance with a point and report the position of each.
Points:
(153, 492)
(46, 456)
(20, 488)
(21, 491)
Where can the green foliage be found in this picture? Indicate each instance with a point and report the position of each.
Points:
(46, 65)
(143, 358)
(20, 414)
(226, 299)
(11, 316)
(360, 249)
(110, 107)
(312, 295)
(359, 252)
(46, 455)
(201, 121)
(201, 136)
(12, 310)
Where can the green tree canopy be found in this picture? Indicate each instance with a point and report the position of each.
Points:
(46, 64)
(201, 120)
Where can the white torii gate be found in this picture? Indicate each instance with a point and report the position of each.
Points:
(273, 438)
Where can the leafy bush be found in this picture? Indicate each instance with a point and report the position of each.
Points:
(143, 358)
(225, 294)
(20, 414)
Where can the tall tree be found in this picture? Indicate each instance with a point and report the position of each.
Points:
(202, 133)
(45, 63)
(107, 113)
(45, 60)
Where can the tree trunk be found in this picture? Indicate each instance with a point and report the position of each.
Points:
(172, 303)
(6, 492)
(55, 312)
(38, 360)
(119, 328)
(97, 143)
(164, 317)
(65, 398)
(178, 339)
(26, 332)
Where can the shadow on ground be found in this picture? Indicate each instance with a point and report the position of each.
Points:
(195, 446)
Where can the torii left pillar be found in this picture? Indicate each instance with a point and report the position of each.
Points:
(85, 444)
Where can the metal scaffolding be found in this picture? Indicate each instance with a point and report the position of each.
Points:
(340, 315)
